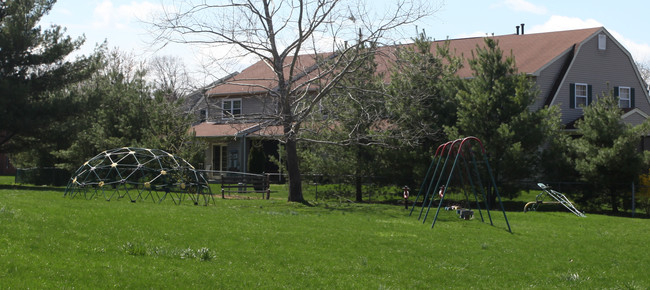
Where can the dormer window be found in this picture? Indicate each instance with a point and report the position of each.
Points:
(231, 108)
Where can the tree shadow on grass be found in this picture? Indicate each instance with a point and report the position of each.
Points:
(32, 187)
(355, 207)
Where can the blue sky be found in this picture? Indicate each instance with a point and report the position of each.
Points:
(119, 22)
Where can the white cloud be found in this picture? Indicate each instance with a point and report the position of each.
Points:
(103, 14)
(109, 16)
(140, 10)
(640, 51)
(559, 23)
(525, 6)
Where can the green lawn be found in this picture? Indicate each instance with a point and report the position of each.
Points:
(47, 241)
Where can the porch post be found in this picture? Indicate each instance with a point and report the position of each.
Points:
(244, 154)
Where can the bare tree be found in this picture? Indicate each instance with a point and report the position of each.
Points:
(278, 32)
(170, 76)
(644, 69)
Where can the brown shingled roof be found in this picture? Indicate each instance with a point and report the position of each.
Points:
(531, 51)
(259, 78)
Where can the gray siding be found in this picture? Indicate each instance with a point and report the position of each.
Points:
(211, 106)
(634, 119)
(603, 70)
(252, 107)
(258, 105)
(546, 78)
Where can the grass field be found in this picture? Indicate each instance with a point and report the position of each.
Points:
(47, 241)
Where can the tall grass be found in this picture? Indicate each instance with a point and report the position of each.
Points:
(47, 241)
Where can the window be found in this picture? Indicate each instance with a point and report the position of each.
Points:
(581, 95)
(231, 108)
(624, 97)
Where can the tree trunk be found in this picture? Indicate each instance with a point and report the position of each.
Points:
(358, 186)
(293, 169)
(357, 175)
(614, 200)
(492, 198)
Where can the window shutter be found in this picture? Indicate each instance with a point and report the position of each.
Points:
(589, 99)
(572, 96)
(631, 97)
(616, 92)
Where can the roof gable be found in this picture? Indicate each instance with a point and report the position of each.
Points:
(624, 60)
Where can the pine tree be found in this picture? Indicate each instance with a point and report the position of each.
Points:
(607, 156)
(421, 102)
(422, 88)
(32, 65)
(353, 114)
(119, 109)
(494, 106)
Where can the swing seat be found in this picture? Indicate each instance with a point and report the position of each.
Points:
(466, 214)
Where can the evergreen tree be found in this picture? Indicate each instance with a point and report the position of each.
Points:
(420, 104)
(32, 65)
(256, 158)
(422, 88)
(117, 109)
(607, 155)
(351, 120)
(494, 106)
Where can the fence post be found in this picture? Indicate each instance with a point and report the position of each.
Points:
(633, 199)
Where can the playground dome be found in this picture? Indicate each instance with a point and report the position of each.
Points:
(138, 173)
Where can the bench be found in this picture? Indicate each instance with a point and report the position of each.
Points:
(240, 184)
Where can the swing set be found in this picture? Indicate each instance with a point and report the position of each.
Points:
(457, 165)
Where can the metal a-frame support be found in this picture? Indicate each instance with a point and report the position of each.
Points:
(460, 161)
(427, 188)
(561, 199)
